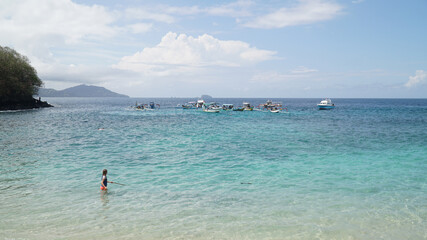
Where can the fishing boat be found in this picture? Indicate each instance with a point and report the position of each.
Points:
(200, 103)
(269, 105)
(146, 107)
(189, 105)
(212, 107)
(138, 107)
(211, 110)
(227, 106)
(153, 105)
(326, 104)
(247, 107)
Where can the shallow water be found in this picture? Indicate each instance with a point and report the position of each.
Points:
(355, 172)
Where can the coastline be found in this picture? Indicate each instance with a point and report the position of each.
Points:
(24, 105)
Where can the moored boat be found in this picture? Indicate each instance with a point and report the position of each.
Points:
(211, 110)
(153, 105)
(227, 106)
(326, 104)
(200, 103)
(247, 107)
(271, 106)
(189, 105)
(145, 107)
(211, 107)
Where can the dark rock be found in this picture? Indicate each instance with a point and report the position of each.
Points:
(26, 104)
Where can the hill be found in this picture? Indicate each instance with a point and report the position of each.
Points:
(79, 91)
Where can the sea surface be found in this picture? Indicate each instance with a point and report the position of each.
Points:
(358, 171)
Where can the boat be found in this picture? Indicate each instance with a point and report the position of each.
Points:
(189, 105)
(227, 107)
(145, 107)
(326, 104)
(200, 103)
(151, 106)
(239, 109)
(247, 107)
(211, 110)
(270, 105)
(139, 107)
(212, 107)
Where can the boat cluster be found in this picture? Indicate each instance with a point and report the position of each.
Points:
(149, 106)
(214, 107)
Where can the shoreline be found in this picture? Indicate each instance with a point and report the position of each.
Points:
(24, 105)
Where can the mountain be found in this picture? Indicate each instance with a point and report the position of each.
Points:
(206, 97)
(79, 91)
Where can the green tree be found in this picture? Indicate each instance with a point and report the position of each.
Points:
(18, 79)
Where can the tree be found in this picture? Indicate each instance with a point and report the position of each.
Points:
(18, 79)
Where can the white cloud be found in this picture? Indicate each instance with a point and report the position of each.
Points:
(170, 14)
(420, 78)
(35, 27)
(182, 54)
(233, 9)
(58, 19)
(357, 1)
(302, 70)
(306, 12)
(140, 27)
(149, 14)
(276, 77)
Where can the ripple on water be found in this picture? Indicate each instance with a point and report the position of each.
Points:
(357, 172)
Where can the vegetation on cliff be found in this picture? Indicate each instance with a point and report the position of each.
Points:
(18, 81)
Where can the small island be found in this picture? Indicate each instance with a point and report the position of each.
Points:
(18, 82)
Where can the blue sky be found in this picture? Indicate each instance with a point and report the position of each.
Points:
(243, 48)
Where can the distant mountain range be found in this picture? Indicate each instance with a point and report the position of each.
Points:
(79, 91)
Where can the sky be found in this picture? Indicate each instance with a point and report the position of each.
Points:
(242, 48)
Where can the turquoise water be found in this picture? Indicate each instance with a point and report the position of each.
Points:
(355, 172)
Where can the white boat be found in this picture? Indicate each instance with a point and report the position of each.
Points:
(211, 110)
(326, 104)
(275, 110)
(200, 103)
(212, 107)
(227, 107)
(189, 105)
(269, 105)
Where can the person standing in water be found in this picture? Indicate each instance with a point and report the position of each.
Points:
(104, 181)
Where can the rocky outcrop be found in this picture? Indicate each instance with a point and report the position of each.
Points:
(20, 105)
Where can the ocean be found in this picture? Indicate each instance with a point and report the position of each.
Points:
(355, 172)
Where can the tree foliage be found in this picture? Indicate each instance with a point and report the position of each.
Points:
(18, 79)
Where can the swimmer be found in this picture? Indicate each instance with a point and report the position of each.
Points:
(104, 181)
